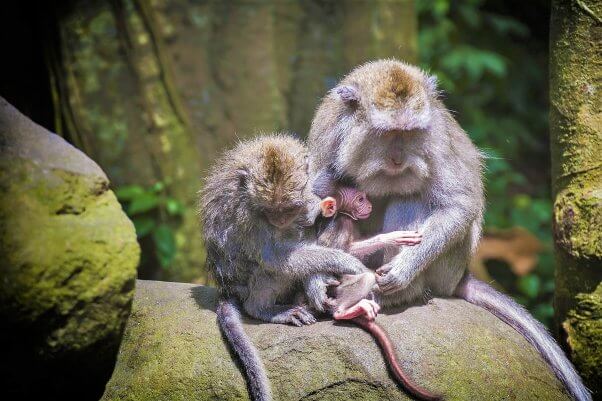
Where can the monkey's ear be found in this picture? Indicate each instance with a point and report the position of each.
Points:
(431, 83)
(243, 175)
(347, 93)
(328, 206)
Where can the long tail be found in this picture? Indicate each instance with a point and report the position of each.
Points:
(389, 353)
(228, 318)
(478, 293)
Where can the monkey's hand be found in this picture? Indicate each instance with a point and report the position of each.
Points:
(297, 316)
(391, 279)
(398, 238)
(316, 292)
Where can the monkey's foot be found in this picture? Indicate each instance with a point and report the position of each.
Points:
(366, 308)
(297, 316)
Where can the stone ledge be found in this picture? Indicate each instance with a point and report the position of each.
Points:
(172, 350)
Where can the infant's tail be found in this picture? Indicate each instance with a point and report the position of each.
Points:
(391, 358)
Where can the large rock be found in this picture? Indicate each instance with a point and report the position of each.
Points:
(172, 350)
(68, 258)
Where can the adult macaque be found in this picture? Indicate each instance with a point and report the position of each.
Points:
(384, 129)
(253, 210)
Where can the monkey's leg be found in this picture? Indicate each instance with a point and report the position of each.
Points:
(366, 247)
(506, 309)
(261, 304)
(366, 308)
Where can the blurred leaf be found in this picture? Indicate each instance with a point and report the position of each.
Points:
(144, 225)
(529, 285)
(158, 186)
(165, 244)
(127, 192)
(470, 15)
(143, 203)
(521, 201)
(543, 312)
(174, 207)
(505, 25)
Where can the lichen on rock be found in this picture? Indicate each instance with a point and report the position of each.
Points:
(173, 350)
(584, 337)
(68, 264)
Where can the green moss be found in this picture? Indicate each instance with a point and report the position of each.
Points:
(71, 255)
(68, 272)
(584, 336)
(172, 349)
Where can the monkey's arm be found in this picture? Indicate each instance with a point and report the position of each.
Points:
(316, 291)
(300, 260)
(444, 227)
(367, 247)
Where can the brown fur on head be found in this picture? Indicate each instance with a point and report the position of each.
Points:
(273, 176)
(392, 95)
(378, 127)
(265, 176)
(276, 177)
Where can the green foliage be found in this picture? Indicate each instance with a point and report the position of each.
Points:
(155, 215)
(494, 67)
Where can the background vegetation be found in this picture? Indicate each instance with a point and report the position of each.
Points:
(103, 75)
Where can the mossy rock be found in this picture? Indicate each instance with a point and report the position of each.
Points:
(172, 350)
(68, 265)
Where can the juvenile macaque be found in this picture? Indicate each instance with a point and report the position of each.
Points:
(384, 129)
(352, 296)
(253, 210)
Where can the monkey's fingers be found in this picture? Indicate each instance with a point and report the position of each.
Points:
(408, 241)
(375, 307)
(384, 269)
(332, 282)
(304, 316)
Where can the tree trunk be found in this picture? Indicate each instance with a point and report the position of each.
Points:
(153, 90)
(576, 138)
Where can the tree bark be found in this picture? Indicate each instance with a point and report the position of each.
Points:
(576, 140)
(153, 90)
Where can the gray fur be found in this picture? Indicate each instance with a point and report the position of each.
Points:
(253, 261)
(398, 143)
(228, 317)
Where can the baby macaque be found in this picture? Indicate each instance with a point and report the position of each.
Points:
(338, 230)
(353, 295)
